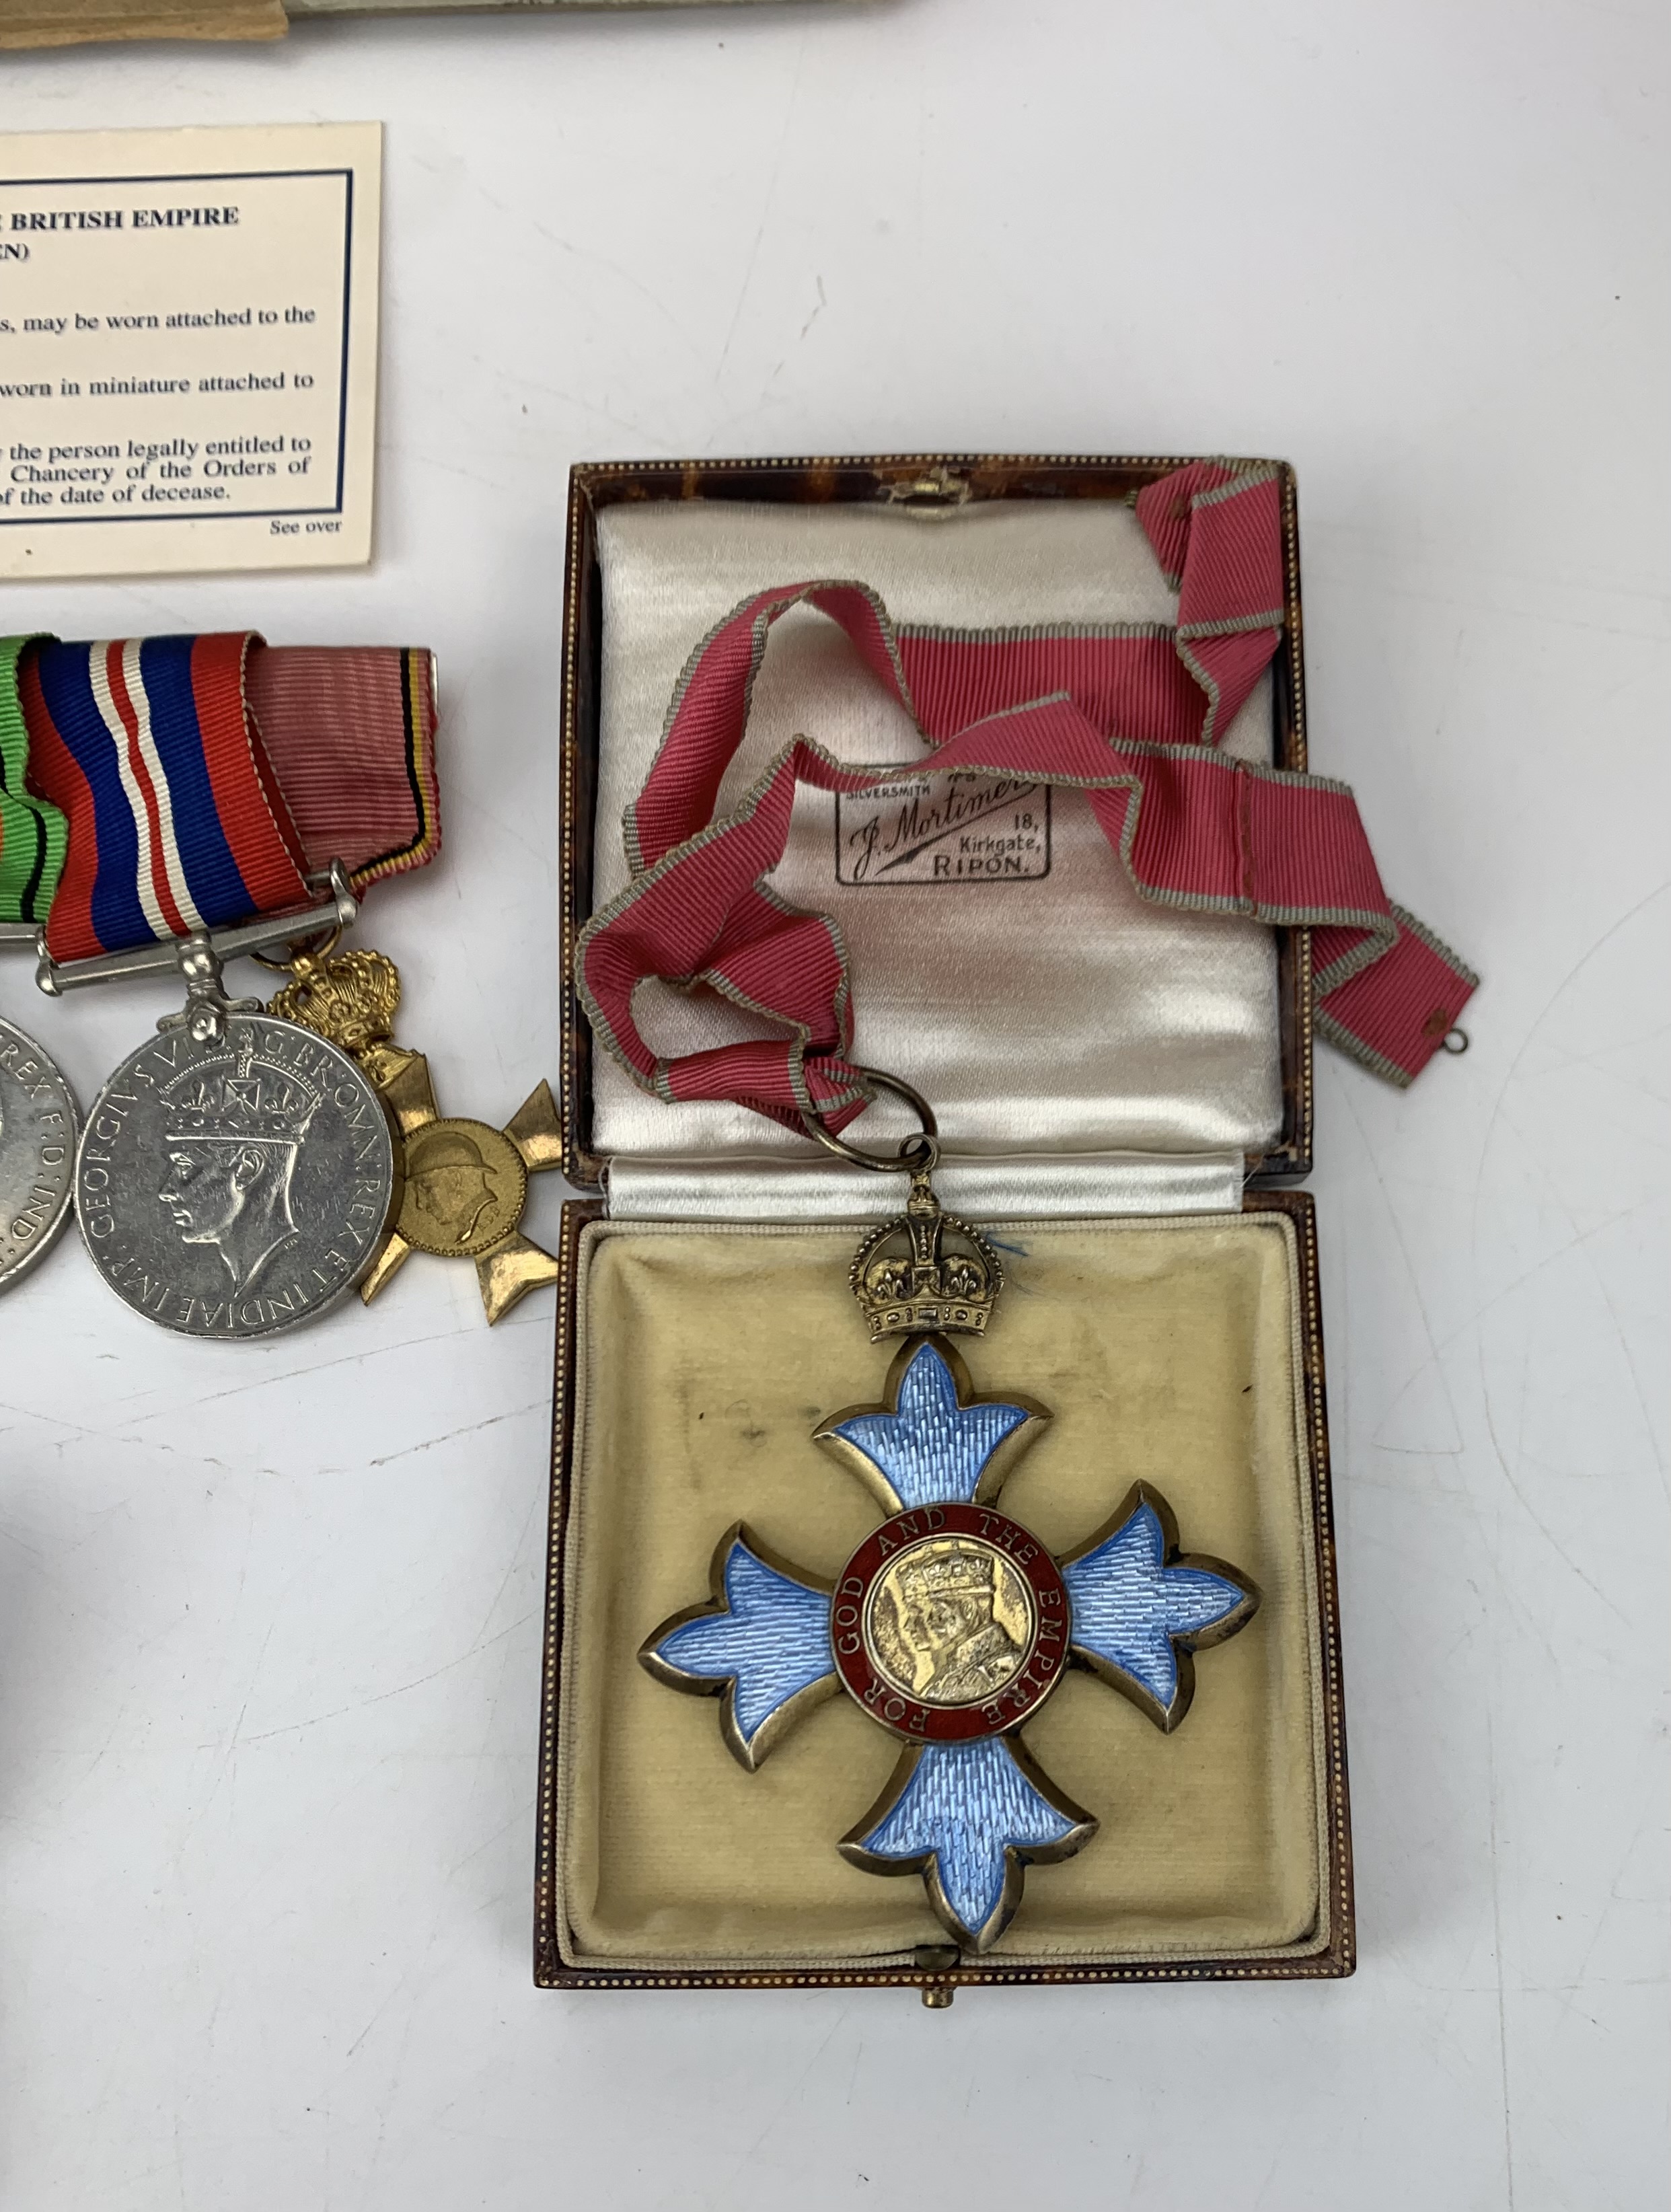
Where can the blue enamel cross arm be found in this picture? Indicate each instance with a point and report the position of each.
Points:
(935, 1444)
(762, 1645)
(968, 1817)
(1139, 1609)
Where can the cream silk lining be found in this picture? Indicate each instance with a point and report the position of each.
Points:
(1013, 1186)
(1054, 1015)
(1169, 1352)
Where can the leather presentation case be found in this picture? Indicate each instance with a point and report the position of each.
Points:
(704, 1324)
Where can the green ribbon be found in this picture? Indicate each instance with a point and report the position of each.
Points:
(33, 835)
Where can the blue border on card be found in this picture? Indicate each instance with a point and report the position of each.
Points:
(221, 513)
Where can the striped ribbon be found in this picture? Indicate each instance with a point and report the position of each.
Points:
(198, 781)
(1193, 827)
(33, 835)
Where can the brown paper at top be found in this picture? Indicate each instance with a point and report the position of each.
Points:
(82, 22)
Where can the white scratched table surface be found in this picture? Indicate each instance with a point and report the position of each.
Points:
(270, 1617)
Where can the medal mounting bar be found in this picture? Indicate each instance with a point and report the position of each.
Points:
(171, 955)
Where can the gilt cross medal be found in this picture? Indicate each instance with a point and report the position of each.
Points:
(951, 1623)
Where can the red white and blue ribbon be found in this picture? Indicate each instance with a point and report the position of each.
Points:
(186, 813)
(144, 744)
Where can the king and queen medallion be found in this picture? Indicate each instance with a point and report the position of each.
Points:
(951, 1623)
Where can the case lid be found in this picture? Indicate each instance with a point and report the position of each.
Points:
(1001, 959)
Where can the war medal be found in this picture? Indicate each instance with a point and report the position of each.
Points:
(212, 797)
(951, 1623)
(238, 1173)
(466, 1183)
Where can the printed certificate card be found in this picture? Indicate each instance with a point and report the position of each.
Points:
(188, 348)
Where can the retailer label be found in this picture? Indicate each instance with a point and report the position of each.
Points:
(957, 827)
(188, 348)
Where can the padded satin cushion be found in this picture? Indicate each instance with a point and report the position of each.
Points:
(1058, 1014)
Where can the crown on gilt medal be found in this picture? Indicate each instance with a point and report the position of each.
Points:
(925, 1270)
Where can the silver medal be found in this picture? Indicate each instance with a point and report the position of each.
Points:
(39, 1125)
(235, 1183)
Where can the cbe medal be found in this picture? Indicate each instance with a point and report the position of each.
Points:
(951, 1623)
